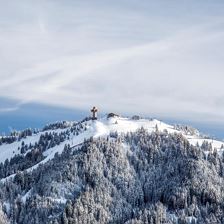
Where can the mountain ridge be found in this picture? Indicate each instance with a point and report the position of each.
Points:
(103, 126)
(125, 170)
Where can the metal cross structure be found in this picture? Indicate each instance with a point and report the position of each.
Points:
(94, 112)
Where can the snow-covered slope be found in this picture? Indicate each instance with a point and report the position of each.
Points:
(123, 125)
(7, 151)
(100, 128)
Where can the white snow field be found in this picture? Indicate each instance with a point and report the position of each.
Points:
(100, 128)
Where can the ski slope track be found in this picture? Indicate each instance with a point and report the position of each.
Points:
(100, 128)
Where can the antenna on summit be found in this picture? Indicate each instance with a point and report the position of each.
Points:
(94, 111)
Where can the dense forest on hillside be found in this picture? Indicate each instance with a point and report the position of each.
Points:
(131, 178)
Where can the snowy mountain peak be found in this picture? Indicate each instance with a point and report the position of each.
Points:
(67, 161)
(56, 136)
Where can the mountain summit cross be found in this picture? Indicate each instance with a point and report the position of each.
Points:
(94, 112)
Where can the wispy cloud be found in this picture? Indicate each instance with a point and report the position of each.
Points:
(9, 105)
(149, 58)
(8, 109)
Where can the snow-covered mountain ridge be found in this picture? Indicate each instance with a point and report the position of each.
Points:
(100, 128)
(111, 170)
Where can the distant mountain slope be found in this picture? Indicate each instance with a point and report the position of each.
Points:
(113, 170)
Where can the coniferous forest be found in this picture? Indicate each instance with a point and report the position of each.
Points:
(138, 177)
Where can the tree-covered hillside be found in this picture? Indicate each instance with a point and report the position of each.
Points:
(137, 177)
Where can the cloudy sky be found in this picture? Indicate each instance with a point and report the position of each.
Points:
(155, 58)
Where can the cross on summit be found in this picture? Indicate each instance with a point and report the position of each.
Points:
(94, 113)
